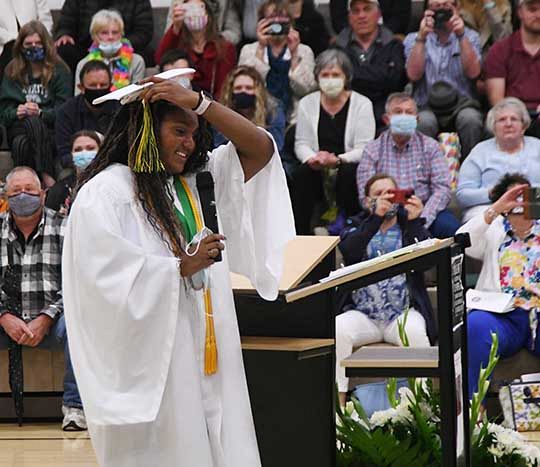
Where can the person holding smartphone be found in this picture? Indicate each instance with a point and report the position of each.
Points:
(286, 65)
(508, 244)
(194, 29)
(372, 312)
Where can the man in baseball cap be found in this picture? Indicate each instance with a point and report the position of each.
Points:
(377, 56)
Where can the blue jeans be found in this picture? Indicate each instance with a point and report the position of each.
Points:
(513, 331)
(444, 225)
(57, 339)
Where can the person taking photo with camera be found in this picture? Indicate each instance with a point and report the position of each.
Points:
(445, 50)
(286, 65)
(390, 220)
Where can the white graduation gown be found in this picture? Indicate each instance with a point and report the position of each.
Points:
(136, 330)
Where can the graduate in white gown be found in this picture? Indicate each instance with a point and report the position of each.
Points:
(143, 341)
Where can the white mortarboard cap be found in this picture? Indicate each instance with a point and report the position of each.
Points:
(131, 92)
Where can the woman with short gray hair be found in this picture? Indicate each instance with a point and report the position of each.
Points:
(333, 126)
(508, 152)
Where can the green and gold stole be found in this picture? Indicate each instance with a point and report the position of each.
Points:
(191, 221)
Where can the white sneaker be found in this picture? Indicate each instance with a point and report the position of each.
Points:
(74, 419)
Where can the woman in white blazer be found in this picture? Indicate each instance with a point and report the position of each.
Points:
(16, 13)
(332, 128)
(509, 245)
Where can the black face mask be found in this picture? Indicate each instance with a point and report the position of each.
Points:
(91, 94)
(243, 100)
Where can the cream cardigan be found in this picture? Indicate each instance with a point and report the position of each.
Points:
(485, 242)
(359, 127)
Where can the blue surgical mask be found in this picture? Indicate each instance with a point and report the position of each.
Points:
(110, 48)
(81, 159)
(403, 124)
(24, 204)
(34, 54)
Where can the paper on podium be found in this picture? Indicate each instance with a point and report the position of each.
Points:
(131, 92)
(496, 302)
(344, 271)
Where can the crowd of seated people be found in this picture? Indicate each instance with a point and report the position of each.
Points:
(354, 101)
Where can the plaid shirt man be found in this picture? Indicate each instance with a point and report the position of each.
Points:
(419, 165)
(39, 260)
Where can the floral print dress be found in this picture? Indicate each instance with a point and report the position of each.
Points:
(387, 299)
(519, 266)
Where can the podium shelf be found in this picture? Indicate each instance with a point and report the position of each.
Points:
(284, 344)
(393, 357)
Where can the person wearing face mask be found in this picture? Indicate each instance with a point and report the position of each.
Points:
(371, 313)
(78, 113)
(35, 84)
(15, 13)
(285, 64)
(84, 146)
(31, 309)
(244, 92)
(443, 61)
(194, 29)
(414, 160)
(110, 46)
(72, 29)
(333, 126)
(227, 16)
(176, 59)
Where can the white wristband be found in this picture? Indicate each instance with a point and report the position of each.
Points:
(203, 106)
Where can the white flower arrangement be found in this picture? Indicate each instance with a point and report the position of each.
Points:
(409, 430)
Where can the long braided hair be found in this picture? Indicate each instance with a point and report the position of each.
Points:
(151, 189)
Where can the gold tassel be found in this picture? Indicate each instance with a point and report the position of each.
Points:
(144, 153)
(210, 345)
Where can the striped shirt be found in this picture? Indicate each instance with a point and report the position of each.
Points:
(419, 165)
(38, 263)
(443, 63)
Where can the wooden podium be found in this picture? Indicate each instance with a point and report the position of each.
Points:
(289, 359)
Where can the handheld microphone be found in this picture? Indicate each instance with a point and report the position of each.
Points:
(205, 187)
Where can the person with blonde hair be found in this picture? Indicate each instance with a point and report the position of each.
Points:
(112, 47)
(36, 82)
(244, 91)
(72, 31)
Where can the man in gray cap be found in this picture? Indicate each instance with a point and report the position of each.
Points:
(513, 64)
(377, 56)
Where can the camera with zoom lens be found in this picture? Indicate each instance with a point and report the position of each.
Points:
(441, 17)
(279, 28)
